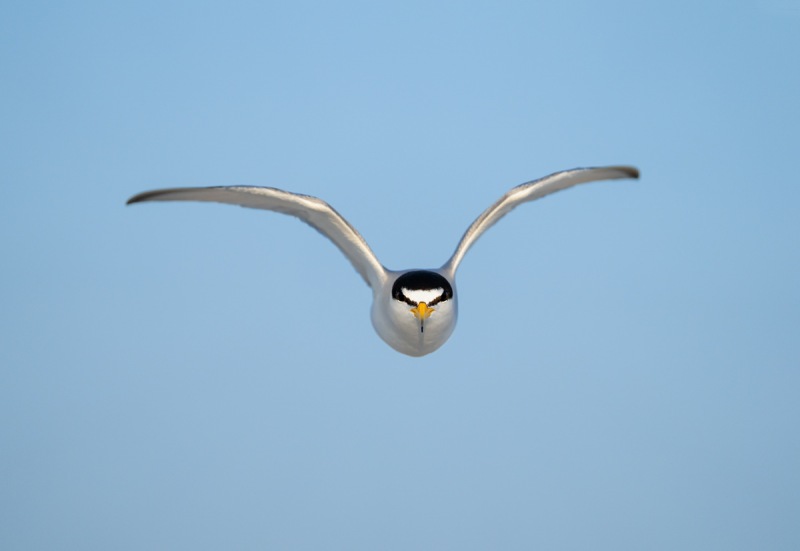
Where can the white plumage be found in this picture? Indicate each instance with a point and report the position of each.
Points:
(414, 311)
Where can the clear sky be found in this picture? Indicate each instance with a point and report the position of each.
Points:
(626, 368)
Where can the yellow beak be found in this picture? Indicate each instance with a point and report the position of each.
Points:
(422, 312)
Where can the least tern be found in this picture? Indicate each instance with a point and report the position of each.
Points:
(413, 311)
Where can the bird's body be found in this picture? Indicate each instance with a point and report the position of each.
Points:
(414, 311)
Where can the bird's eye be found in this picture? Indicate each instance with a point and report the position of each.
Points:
(402, 298)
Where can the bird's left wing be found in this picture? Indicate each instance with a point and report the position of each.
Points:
(530, 192)
(315, 212)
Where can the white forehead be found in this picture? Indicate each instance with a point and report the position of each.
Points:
(422, 295)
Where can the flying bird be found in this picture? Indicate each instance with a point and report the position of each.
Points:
(413, 311)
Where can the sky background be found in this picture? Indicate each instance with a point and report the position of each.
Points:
(625, 371)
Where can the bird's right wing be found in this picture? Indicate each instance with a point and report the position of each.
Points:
(315, 212)
(530, 192)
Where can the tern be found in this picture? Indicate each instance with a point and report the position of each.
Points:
(413, 311)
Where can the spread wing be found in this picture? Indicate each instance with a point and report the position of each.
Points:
(315, 212)
(529, 192)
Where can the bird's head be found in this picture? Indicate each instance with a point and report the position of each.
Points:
(416, 312)
(421, 298)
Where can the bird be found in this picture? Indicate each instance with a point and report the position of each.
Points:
(414, 311)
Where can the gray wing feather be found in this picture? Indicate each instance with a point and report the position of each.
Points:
(531, 191)
(314, 212)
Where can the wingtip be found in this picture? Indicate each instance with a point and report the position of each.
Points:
(145, 196)
(630, 171)
(138, 198)
(614, 171)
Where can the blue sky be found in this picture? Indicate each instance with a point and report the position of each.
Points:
(188, 376)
